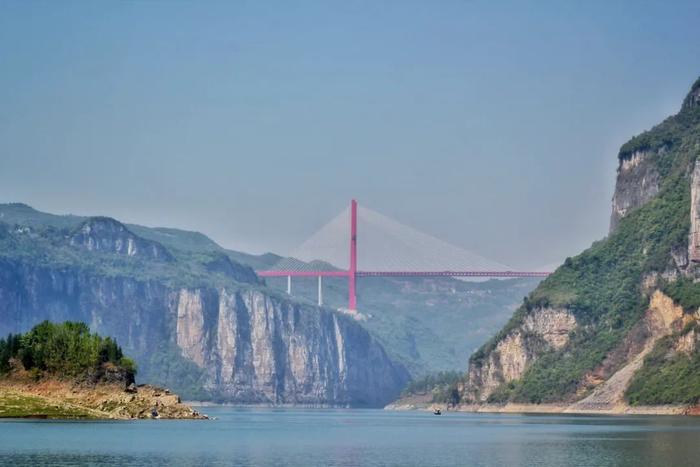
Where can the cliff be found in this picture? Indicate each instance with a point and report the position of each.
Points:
(614, 329)
(194, 319)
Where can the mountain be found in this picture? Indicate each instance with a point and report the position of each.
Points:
(617, 327)
(193, 317)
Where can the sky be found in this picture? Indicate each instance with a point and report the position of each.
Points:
(491, 125)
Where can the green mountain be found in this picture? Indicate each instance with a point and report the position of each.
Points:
(617, 325)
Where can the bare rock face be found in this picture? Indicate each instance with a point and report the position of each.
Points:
(694, 235)
(251, 347)
(551, 324)
(637, 183)
(255, 348)
(191, 334)
(108, 235)
(541, 330)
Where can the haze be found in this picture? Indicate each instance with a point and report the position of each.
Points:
(495, 128)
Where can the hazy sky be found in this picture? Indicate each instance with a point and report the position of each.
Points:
(492, 125)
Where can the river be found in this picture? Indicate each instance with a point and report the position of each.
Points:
(307, 437)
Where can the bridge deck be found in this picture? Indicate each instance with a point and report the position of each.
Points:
(403, 273)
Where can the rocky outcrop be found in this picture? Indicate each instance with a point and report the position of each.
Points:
(637, 182)
(108, 235)
(248, 345)
(24, 396)
(553, 325)
(541, 330)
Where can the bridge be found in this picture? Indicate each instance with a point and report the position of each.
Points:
(419, 255)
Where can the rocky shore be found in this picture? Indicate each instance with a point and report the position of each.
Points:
(23, 397)
(424, 404)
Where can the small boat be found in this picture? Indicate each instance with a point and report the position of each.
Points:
(437, 412)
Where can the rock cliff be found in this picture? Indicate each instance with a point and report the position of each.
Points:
(543, 330)
(637, 182)
(694, 234)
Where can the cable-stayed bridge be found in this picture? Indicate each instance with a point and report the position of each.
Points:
(388, 248)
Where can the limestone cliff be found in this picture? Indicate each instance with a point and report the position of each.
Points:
(542, 330)
(257, 348)
(694, 234)
(637, 182)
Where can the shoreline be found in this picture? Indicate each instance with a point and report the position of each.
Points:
(52, 398)
(548, 409)
(264, 405)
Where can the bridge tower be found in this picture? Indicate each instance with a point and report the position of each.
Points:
(352, 272)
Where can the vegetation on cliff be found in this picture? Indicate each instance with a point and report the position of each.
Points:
(104, 246)
(668, 376)
(441, 386)
(672, 133)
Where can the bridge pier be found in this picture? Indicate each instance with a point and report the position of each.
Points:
(320, 290)
(289, 285)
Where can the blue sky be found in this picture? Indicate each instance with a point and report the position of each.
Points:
(492, 125)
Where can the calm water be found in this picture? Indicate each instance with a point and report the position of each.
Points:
(298, 437)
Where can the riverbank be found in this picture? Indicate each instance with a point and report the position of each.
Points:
(271, 405)
(58, 399)
(422, 403)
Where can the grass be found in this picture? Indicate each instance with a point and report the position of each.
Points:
(13, 405)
